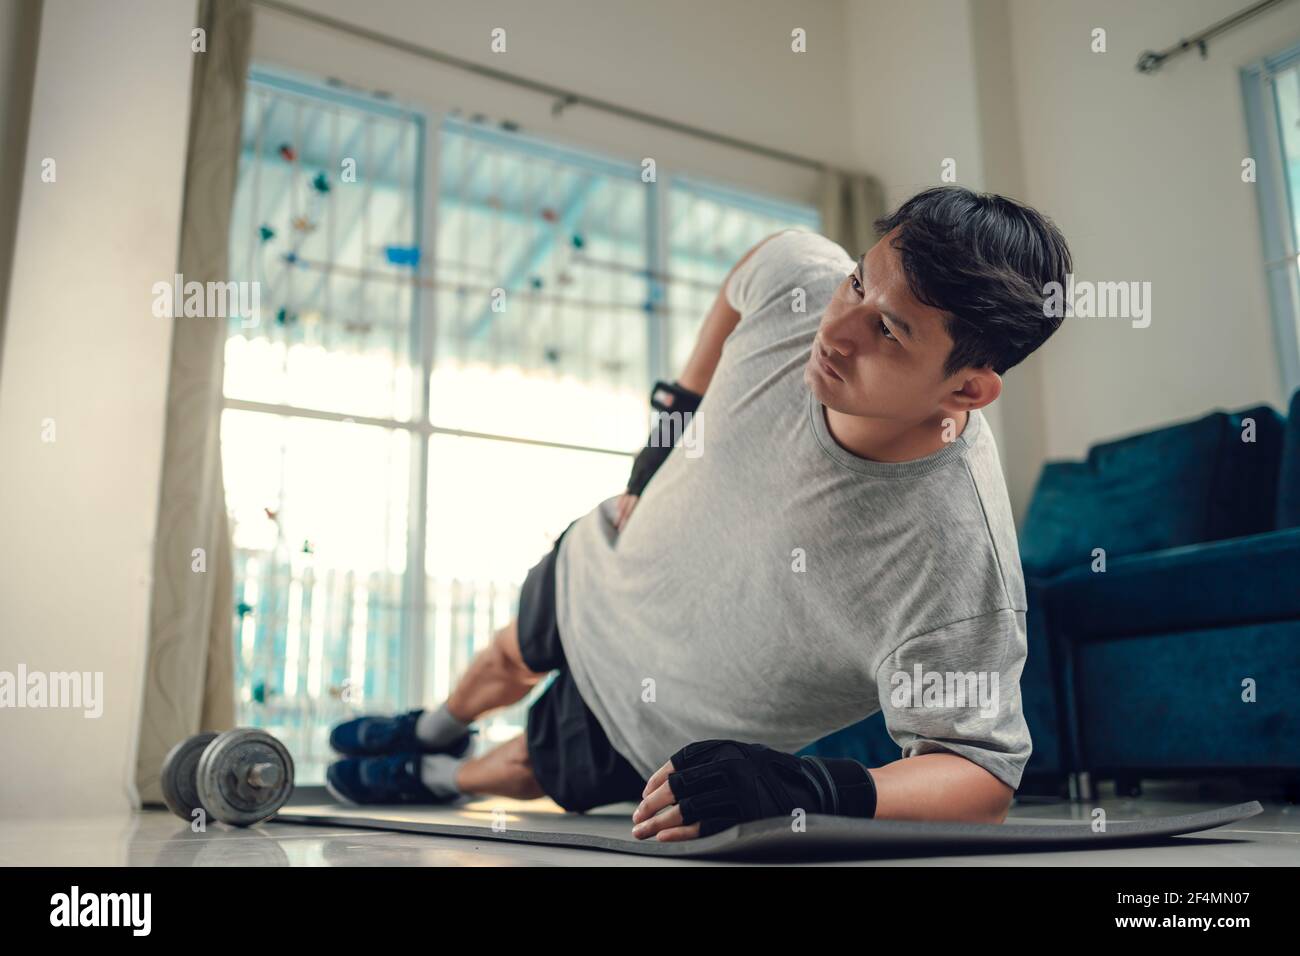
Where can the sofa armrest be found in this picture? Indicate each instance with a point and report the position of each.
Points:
(1237, 581)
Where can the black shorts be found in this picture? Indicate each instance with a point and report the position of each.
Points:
(573, 760)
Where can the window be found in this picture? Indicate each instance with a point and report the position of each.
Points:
(459, 329)
(1272, 97)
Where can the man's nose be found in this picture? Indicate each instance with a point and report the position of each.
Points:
(838, 334)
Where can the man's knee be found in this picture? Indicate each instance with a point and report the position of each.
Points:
(505, 650)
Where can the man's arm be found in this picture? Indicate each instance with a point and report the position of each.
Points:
(722, 783)
(940, 786)
(718, 324)
(703, 362)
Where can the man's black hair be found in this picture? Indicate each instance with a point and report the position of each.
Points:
(985, 260)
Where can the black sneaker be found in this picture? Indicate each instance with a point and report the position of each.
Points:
(376, 735)
(394, 778)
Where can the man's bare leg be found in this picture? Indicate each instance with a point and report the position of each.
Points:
(495, 678)
(505, 771)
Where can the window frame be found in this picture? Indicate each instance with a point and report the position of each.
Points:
(1277, 207)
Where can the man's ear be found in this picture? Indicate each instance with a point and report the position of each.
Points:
(976, 387)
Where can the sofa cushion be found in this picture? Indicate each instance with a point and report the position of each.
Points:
(1183, 484)
(1288, 486)
(1216, 584)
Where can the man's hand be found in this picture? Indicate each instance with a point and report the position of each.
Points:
(667, 398)
(711, 785)
(626, 503)
(667, 826)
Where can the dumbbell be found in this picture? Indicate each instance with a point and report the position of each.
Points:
(240, 777)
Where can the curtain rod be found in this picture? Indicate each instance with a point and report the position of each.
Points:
(1150, 60)
(563, 98)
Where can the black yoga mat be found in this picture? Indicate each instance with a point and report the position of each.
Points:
(773, 839)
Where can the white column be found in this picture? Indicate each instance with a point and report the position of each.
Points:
(85, 362)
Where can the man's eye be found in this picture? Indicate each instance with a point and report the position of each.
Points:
(853, 281)
(884, 329)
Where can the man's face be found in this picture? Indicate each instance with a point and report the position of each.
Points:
(879, 352)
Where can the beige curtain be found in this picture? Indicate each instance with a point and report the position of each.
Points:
(849, 204)
(189, 683)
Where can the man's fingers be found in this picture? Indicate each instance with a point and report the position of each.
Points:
(625, 505)
(660, 797)
(660, 777)
(674, 834)
(628, 506)
(669, 819)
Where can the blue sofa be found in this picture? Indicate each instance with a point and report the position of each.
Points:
(1163, 581)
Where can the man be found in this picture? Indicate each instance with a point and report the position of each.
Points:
(838, 535)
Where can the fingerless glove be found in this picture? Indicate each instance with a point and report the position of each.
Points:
(666, 398)
(719, 783)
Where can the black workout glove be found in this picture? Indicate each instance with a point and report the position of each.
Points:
(665, 398)
(719, 783)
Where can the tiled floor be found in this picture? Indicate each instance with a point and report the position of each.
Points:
(156, 838)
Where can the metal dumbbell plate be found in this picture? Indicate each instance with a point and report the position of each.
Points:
(244, 776)
(179, 772)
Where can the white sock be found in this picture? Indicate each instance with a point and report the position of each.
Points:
(438, 773)
(438, 728)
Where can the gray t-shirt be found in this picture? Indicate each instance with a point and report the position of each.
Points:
(772, 587)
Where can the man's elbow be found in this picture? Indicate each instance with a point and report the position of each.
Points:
(982, 797)
(994, 801)
(1003, 804)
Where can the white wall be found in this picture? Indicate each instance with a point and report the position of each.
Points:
(110, 106)
(1143, 173)
(911, 70)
